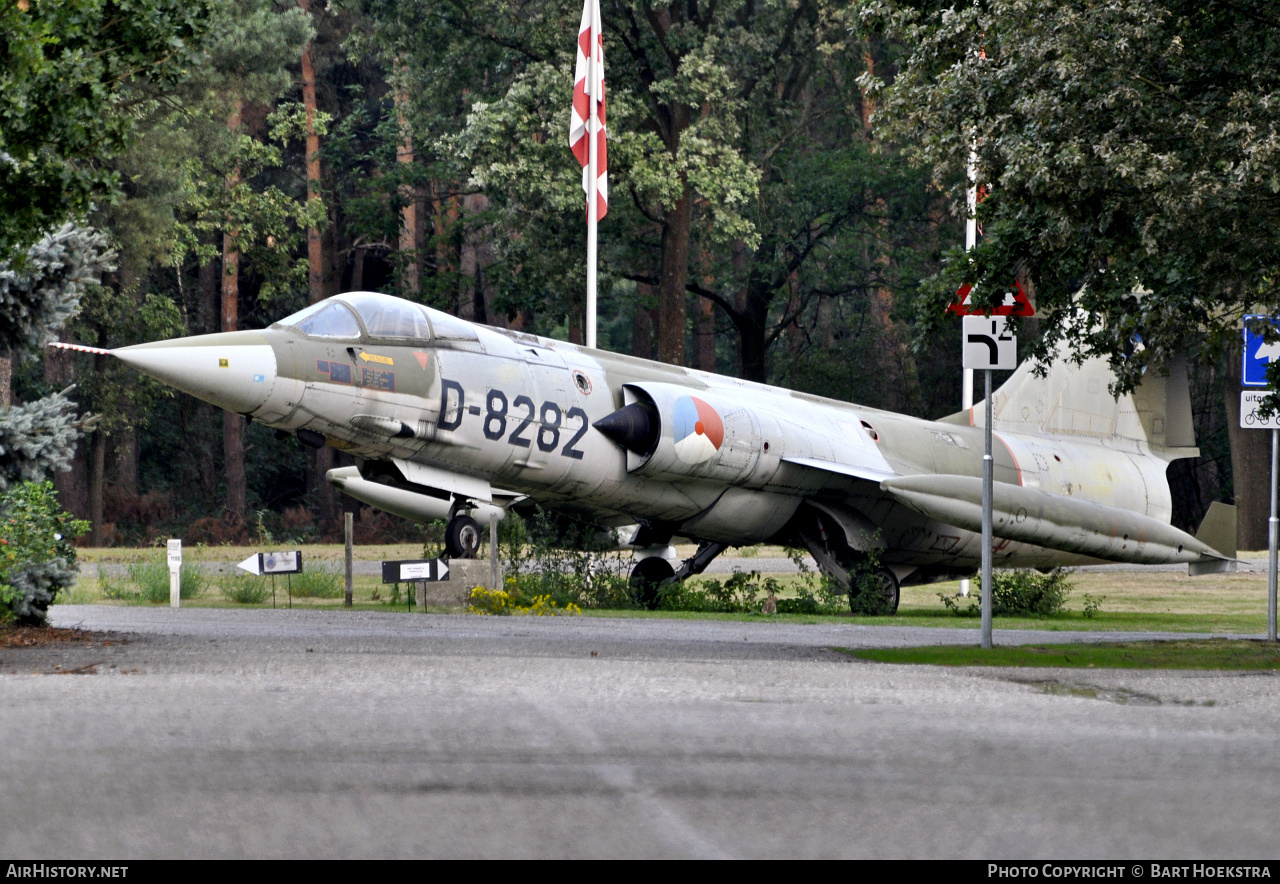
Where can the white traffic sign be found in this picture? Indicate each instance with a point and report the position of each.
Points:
(1249, 417)
(415, 569)
(175, 554)
(273, 563)
(1258, 354)
(282, 562)
(989, 343)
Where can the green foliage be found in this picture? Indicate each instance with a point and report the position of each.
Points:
(316, 582)
(1132, 155)
(76, 78)
(1092, 605)
(567, 561)
(739, 593)
(37, 559)
(1189, 654)
(499, 602)
(244, 590)
(149, 582)
(1021, 593)
(867, 584)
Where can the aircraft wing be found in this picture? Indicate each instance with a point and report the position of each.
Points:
(857, 471)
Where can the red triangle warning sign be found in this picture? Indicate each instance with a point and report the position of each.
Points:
(1016, 303)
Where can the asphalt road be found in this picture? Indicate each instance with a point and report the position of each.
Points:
(228, 733)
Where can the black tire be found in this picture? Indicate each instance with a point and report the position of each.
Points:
(462, 537)
(647, 578)
(888, 588)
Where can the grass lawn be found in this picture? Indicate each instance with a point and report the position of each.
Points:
(1131, 600)
(1192, 654)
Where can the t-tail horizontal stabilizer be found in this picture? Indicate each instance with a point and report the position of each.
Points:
(1053, 521)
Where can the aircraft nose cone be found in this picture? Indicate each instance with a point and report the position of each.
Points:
(233, 370)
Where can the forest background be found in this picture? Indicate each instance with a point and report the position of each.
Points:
(761, 224)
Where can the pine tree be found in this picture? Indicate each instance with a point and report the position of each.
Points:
(38, 437)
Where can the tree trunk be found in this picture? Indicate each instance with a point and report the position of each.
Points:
(644, 323)
(232, 424)
(315, 253)
(409, 213)
(1250, 464)
(126, 456)
(704, 336)
(73, 491)
(6, 381)
(676, 227)
(752, 325)
(97, 468)
(207, 313)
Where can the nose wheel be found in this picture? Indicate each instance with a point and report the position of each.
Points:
(462, 537)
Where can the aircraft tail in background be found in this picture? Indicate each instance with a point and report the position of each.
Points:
(1072, 401)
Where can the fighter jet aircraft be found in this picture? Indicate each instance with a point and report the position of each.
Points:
(451, 420)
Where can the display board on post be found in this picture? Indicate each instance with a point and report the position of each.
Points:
(988, 345)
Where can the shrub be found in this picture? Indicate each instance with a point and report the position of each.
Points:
(246, 590)
(737, 594)
(500, 602)
(568, 562)
(119, 590)
(1022, 593)
(152, 581)
(318, 583)
(37, 559)
(867, 595)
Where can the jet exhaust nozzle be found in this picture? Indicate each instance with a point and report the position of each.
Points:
(633, 426)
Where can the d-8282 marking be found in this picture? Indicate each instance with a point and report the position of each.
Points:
(548, 419)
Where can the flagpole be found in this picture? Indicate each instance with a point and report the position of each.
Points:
(593, 153)
(970, 240)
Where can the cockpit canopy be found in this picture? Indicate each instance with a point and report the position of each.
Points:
(363, 315)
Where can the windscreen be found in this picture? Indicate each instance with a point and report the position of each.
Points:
(328, 319)
(388, 317)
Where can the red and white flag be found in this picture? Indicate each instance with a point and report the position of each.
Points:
(588, 106)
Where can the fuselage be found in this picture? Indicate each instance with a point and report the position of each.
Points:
(731, 461)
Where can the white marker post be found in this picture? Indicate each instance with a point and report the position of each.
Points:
(1250, 420)
(175, 573)
(988, 344)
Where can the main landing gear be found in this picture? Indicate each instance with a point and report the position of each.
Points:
(652, 571)
(872, 588)
(462, 537)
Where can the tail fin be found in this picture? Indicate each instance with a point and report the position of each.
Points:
(1218, 529)
(1072, 400)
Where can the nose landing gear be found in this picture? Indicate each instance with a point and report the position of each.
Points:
(462, 537)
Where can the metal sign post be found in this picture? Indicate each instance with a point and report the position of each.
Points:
(1250, 420)
(989, 344)
(987, 487)
(1258, 355)
(1273, 529)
